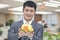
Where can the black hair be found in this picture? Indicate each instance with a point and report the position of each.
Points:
(29, 4)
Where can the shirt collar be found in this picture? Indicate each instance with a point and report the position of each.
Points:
(24, 21)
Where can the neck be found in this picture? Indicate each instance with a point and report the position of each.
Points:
(27, 20)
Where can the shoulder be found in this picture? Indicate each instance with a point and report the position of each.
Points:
(39, 26)
(16, 23)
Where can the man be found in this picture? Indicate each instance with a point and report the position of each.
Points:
(29, 10)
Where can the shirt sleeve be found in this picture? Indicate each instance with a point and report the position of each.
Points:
(11, 34)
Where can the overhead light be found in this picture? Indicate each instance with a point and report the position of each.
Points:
(51, 4)
(38, 12)
(20, 0)
(16, 9)
(57, 10)
(54, 1)
(42, 12)
(3, 6)
(39, 3)
(17, 13)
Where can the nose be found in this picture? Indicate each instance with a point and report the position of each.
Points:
(29, 12)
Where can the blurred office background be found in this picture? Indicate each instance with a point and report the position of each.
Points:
(47, 10)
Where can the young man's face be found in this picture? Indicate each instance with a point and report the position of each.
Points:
(28, 13)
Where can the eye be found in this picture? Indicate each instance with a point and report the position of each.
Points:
(31, 10)
(27, 10)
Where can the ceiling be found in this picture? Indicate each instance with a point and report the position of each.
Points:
(13, 4)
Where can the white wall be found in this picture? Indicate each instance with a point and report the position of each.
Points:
(18, 17)
(51, 19)
(58, 19)
(2, 19)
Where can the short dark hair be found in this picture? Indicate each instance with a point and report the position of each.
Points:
(29, 4)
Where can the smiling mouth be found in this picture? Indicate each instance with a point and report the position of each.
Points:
(28, 15)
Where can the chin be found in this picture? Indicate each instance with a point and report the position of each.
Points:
(29, 19)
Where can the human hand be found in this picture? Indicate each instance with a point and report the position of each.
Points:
(29, 34)
(22, 33)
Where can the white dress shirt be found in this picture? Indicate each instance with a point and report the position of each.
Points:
(24, 21)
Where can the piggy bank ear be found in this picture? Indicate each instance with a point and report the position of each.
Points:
(30, 28)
